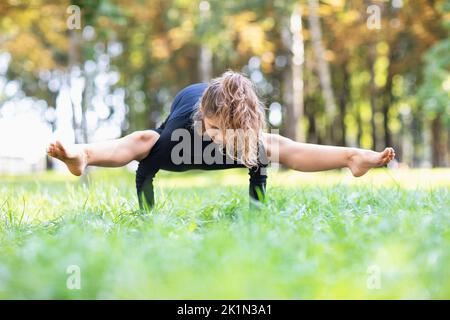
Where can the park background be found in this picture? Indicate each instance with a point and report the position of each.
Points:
(357, 73)
(367, 74)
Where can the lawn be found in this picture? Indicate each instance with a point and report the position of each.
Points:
(321, 235)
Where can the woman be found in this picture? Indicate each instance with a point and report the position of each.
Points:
(228, 112)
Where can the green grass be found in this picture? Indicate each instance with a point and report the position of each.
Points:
(320, 236)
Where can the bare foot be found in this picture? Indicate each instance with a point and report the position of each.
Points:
(362, 161)
(73, 156)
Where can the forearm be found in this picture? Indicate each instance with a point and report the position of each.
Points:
(145, 173)
(257, 185)
(258, 192)
(145, 194)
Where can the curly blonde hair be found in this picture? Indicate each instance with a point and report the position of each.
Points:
(232, 100)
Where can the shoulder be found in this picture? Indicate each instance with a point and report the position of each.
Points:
(194, 88)
(187, 99)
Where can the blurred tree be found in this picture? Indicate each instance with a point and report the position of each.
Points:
(322, 68)
(157, 47)
(435, 95)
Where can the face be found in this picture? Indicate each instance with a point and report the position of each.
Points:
(212, 130)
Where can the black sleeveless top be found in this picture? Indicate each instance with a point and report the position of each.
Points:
(181, 148)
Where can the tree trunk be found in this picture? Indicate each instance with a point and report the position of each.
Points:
(298, 58)
(86, 98)
(322, 66)
(343, 100)
(387, 101)
(74, 60)
(293, 77)
(448, 147)
(205, 65)
(359, 125)
(373, 94)
(417, 133)
(438, 143)
(152, 105)
(290, 123)
(312, 129)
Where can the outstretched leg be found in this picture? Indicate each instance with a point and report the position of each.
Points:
(313, 157)
(110, 153)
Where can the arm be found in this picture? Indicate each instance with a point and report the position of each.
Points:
(144, 188)
(145, 173)
(257, 187)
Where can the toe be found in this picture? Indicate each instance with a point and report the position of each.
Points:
(388, 155)
(392, 155)
(383, 155)
(60, 147)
